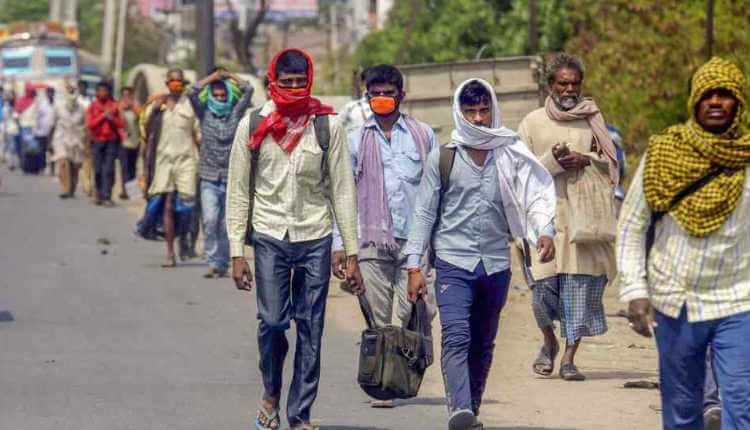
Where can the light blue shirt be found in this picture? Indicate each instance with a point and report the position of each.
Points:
(473, 227)
(402, 171)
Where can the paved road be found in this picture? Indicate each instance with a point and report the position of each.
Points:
(111, 341)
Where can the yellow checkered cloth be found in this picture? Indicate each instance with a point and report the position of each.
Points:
(686, 152)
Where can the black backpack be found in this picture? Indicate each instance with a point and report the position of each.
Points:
(393, 360)
(322, 135)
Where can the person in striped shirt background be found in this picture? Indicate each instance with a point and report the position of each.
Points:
(683, 251)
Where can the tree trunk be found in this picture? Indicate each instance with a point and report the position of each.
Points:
(242, 40)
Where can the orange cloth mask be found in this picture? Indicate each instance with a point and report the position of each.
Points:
(176, 86)
(383, 105)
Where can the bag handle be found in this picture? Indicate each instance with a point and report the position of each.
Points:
(419, 321)
(364, 305)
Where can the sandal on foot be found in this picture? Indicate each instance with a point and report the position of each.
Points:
(463, 419)
(544, 364)
(267, 420)
(569, 372)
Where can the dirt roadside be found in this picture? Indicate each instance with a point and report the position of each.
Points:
(518, 399)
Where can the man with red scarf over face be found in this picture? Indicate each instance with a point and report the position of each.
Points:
(300, 186)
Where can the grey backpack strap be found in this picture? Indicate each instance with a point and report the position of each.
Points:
(321, 123)
(445, 165)
(322, 131)
(447, 157)
(255, 120)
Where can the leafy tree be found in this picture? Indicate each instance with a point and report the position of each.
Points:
(640, 56)
(449, 30)
(23, 10)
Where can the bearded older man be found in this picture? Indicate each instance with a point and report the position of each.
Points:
(683, 250)
(571, 139)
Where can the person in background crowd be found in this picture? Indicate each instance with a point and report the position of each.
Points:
(44, 123)
(490, 190)
(616, 136)
(355, 113)
(130, 141)
(69, 140)
(388, 152)
(682, 252)
(226, 99)
(26, 117)
(300, 184)
(172, 132)
(570, 138)
(10, 131)
(105, 125)
(86, 174)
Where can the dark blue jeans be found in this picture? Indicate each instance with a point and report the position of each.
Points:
(710, 389)
(291, 283)
(469, 304)
(682, 367)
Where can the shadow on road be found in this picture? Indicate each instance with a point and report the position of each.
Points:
(348, 428)
(617, 374)
(434, 401)
(6, 316)
(528, 428)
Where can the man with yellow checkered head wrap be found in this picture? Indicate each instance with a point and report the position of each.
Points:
(683, 250)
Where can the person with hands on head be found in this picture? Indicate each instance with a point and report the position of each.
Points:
(220, 101)
(477, 193)
(388, 153)
(571, 139)
(289, 177)
(682, 251)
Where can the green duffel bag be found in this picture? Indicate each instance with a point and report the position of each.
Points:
(392, 360)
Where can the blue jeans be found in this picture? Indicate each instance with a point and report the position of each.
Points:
(469, 304)
(213, 196)
(682, 366)
(291, 283)
(12, 150)
(710, 389)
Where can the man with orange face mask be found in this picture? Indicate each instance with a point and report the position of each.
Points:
(290, 164)
(171, 134)
(388, 152)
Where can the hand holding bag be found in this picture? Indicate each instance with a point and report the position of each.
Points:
(392, 360)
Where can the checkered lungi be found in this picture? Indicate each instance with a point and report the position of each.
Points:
(575, 301)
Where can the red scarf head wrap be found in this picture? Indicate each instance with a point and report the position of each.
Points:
(294, 106)
(27, 99)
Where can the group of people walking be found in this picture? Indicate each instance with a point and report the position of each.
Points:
(376, 201)
(372, 198)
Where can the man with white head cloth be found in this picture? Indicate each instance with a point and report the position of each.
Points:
(478, 192)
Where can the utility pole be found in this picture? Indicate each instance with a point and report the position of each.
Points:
(204, 16)
(108, 35)
(71, 6)
(533, 27)
(55, 10)
(121, 23)
(334, 35)
(709, 29)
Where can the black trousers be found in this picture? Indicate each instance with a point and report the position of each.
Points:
(105, 153)
(128, 159)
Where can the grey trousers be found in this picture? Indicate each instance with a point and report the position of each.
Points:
(385, 276)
